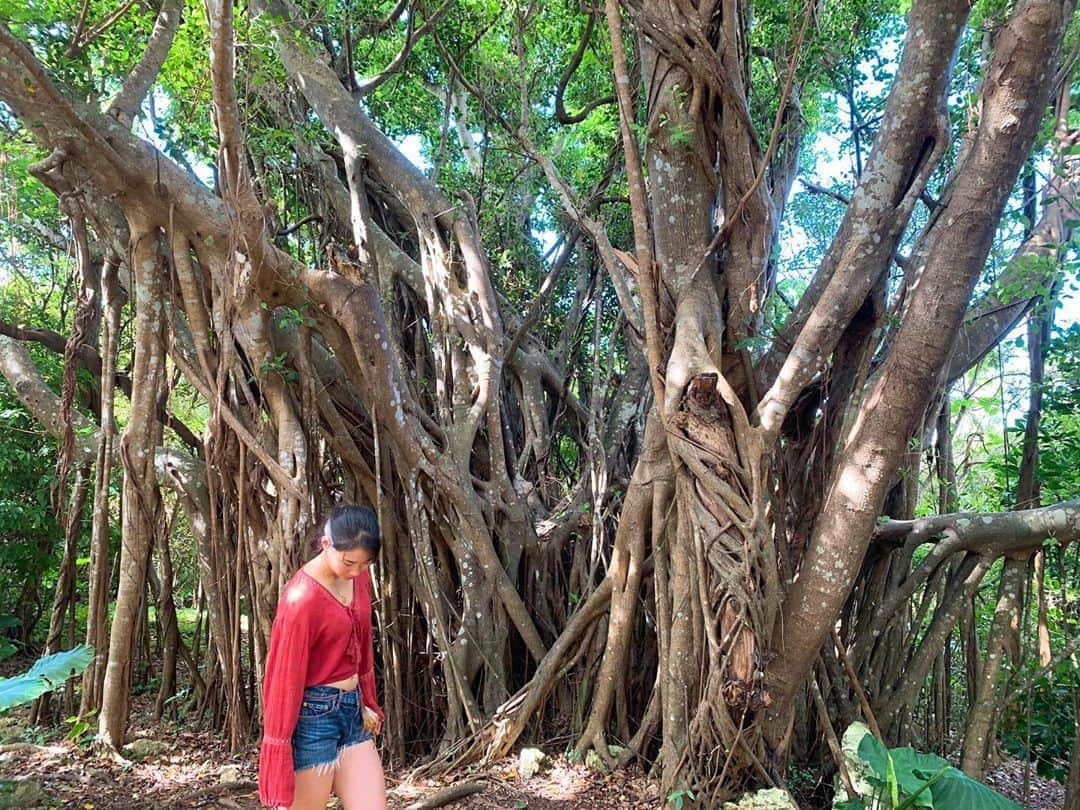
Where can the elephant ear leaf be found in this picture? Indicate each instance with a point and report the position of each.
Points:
(958, 791)
(47, 674)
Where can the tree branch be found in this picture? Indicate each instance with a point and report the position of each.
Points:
(902, 159)
(988, 532)
(368, 86)
(131, 96)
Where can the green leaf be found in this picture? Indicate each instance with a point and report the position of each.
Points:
(891, 781)
(915, 772)
(956, 790)
(873, 753)
(46, 674)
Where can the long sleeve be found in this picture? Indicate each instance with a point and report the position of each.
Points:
(367, 644)
(286, 669)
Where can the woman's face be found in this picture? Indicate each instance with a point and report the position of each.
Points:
(346, 564)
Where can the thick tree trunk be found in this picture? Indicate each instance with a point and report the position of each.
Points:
(895, 404)
(141, 500)
(979, 731)
(97, 599)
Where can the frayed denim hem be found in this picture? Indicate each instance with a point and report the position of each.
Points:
(322, 768)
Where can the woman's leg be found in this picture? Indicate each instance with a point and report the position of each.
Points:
(313, 788)
(359, 781)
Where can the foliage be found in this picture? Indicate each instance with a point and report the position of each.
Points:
(27, 522)
(1043, 731)
(46, 674)
(902, 778)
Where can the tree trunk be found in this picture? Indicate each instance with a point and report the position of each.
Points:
(141, 497)
(896, 402)
(1072, 786)
(1004, 641)
(986, 703)
(167, 623)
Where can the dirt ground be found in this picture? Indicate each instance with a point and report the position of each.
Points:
(62, 774)
(193, 769)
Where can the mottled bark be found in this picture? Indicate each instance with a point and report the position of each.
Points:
(1003, 642)
(1013, 97)
(141, 499)
(905, 153)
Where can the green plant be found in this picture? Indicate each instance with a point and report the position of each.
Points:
(1043, 729)
(677, 797)
(47, 674)
(903, 778)
(80, 728)
(7, 649)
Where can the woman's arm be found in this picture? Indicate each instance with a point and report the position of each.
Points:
(286, 670)
(367, 644)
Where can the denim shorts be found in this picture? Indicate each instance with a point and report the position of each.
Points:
(330, 721)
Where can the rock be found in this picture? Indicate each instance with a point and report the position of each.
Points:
(230, 775)
(23, 794)
(595, 761)
(11, 730)
(531, 761)
(771, 799)
(146, 749)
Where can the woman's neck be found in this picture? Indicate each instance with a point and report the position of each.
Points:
(318, 568)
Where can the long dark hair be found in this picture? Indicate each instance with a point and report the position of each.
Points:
(350, 528)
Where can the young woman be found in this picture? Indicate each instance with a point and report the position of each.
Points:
(317, 727)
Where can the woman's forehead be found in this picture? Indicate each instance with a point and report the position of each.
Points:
(356, 555)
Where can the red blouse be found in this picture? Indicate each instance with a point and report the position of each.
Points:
(315, 640)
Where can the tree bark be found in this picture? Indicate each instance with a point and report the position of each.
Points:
(1003, 641)
(896, 402)
(97, 601)
(141, 437)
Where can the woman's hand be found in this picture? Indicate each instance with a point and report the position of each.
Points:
(372, 721)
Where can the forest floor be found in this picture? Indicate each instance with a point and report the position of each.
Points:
(184, 768)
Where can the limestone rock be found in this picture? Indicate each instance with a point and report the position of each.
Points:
(230, 775)
(531, 761)
(593, 759)
(22, 795)
(145, 748)
(771, 799)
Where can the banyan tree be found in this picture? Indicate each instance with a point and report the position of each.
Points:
(639, 483)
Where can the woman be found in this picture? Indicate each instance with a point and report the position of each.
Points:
(317, 729)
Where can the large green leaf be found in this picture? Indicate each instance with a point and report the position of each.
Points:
(47, 674)
(872, 752)
(924, 780)
(956, 790)
(914, 771)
